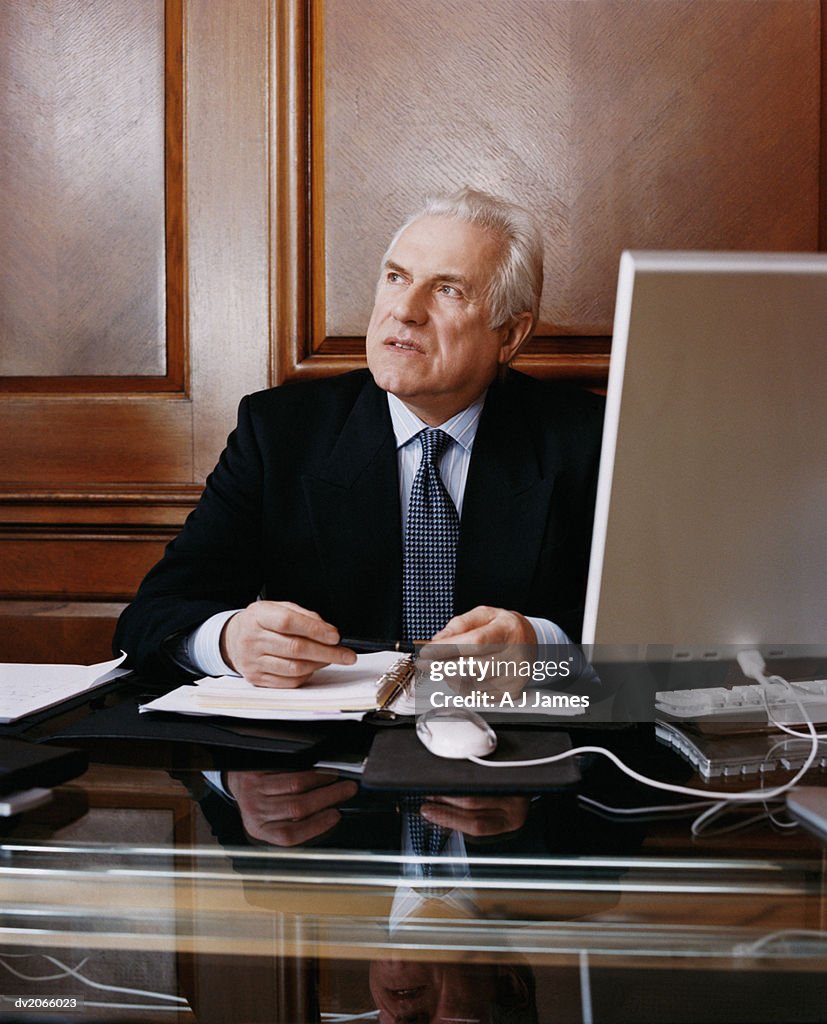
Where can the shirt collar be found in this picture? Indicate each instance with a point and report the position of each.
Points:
(462, 427)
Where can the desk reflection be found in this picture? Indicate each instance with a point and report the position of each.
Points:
(434, 886)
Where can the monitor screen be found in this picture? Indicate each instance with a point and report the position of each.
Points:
(711, 517)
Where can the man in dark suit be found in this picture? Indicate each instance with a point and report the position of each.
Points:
(308, 507)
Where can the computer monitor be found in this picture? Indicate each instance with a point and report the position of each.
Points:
(711, 518)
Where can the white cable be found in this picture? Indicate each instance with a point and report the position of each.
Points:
(115, 988)
(37, 977)
(345, 1018)
(747, 796)
(710, 810)
(752, 665)
(656, 809)
(779, 725)
(754, 948)
(699, 828)
(585, 988)
(74, 972)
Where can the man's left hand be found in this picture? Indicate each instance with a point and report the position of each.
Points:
(484, 625)
(477, 816)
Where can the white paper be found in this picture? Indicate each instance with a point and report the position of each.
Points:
(25, 689)
(337, 692)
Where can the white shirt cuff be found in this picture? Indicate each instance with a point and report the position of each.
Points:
(548, 632)
(204, 646)
(214, 778)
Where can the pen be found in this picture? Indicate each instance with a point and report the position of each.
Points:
(372, 646)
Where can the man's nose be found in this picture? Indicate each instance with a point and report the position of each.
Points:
(410, 306)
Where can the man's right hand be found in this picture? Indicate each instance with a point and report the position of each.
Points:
(289, 808)
(280, 644)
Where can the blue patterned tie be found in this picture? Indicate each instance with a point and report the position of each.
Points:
(427, 840)
(431, 537)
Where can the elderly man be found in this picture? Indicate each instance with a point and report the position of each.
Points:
(438, 494)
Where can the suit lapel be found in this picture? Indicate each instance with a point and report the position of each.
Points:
(505, 509)
(353, 504)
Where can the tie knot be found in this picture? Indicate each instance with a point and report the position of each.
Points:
(434, 444)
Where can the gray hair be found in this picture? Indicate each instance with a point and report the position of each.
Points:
(518, 280)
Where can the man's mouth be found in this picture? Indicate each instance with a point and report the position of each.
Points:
(406, 993)
(402, 345)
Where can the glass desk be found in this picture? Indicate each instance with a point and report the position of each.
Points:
(154, 889)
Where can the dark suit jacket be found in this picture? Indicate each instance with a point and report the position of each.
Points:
(304, 506)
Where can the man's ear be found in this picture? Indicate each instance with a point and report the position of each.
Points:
(515, 335)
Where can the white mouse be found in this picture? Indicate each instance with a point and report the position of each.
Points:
(456, 733)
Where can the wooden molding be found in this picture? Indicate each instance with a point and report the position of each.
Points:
(822, 220)
(138, 494)
(114, 508)
(175, 195)
(290, 203)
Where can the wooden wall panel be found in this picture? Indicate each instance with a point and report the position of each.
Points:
(75, 632)
(293, 134)
(73, 563)
(480, 94)
(228, 203)
(100, 464)
(696, 127)
(82, 280)
(622, 123)
(90, 441)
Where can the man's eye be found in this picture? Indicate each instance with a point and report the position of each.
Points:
(393, 277)
(449, 289)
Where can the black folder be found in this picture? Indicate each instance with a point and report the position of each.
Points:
(298, 742)
(36, 765)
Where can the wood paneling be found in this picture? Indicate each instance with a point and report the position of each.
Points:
(622, 123)
(154, 506)
(696, 127)
(228, 241)
(98, 471)
(105, 440)
(100, 566)
(82, 284)
(291, 135)
(75, 632)
(822, 236)
(128, 220)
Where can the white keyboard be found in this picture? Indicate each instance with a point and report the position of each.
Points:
(746, 703)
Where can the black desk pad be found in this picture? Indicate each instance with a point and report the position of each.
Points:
(124, 722)
(399, 761)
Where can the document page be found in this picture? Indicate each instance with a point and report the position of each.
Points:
(338, 691)
(26, 689)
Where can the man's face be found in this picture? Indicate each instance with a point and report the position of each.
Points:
(428, 340)
(433, 993)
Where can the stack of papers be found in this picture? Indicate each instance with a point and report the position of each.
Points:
(26, 689)
(338, 691)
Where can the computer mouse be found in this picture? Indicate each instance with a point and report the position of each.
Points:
(456, 733)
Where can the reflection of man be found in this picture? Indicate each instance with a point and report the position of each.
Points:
(286, 809)
(292, 808)
(419, 992)
(323, 504)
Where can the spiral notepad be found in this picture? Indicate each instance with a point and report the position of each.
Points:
(381, 683)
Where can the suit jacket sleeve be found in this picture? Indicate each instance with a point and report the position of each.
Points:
(213, 565)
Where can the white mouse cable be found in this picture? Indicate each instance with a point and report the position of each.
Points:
(752, 665)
